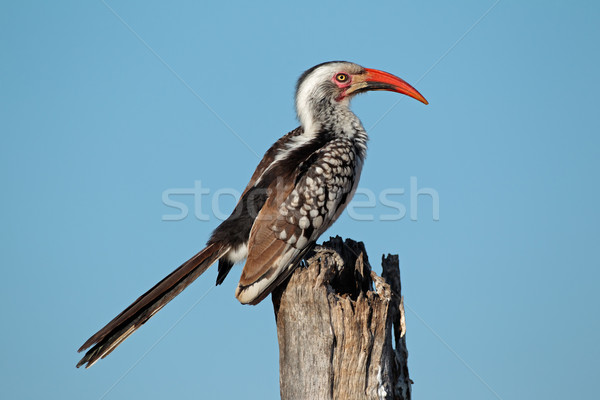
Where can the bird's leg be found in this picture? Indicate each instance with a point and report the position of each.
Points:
(312, 249)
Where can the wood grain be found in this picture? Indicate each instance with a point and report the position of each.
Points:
(341, 328)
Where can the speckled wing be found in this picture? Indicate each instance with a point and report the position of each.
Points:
(298, 210)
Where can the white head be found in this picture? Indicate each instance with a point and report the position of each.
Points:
(327, 88)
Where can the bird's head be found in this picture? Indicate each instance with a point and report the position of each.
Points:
(332, 84)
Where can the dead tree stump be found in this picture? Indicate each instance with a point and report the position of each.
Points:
(341, 328)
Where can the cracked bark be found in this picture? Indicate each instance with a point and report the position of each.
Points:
(341, 327)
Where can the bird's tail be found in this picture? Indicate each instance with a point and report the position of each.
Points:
(148, 304)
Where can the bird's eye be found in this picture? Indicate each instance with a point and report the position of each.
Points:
(341, 77)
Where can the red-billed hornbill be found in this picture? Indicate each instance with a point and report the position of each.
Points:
(301, 186)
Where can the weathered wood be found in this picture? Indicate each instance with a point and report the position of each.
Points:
(341, 328)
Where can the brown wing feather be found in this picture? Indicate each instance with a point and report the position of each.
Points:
(269, 256)
(295, 215)
(264, 247)
(270, 155)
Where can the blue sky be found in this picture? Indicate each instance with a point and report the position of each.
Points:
(103, 112)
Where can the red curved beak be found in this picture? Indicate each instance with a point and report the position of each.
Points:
(379, 80)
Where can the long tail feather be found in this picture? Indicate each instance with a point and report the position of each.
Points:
(148, 304)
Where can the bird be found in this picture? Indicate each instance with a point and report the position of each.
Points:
(298, 190)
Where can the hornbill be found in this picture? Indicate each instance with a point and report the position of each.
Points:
(300, 187)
